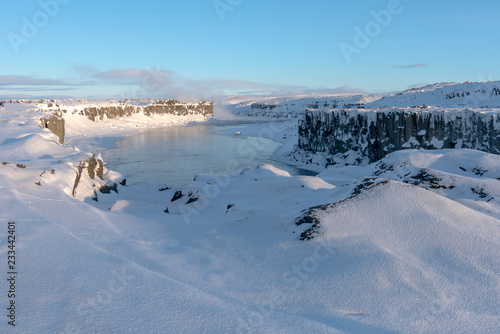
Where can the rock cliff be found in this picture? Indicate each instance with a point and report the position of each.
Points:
(372, 134)
(94, 167)
(172, 107)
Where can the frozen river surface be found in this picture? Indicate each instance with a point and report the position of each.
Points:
(174, 155)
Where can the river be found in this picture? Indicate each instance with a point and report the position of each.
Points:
(175, 155)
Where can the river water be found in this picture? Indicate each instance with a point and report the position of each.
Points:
(175, 155)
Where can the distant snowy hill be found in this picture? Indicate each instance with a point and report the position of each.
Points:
(446, 95)
(293, 106)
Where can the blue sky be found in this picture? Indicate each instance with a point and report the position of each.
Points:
(202, 48)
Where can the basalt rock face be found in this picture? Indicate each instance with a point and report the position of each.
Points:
(56, 125)
(172, 107)
(180, 109)
(375, 133)
(94, 167)
(95, 114)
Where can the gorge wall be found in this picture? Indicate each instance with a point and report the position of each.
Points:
(172, 107)
(375, 133)
(56, 122)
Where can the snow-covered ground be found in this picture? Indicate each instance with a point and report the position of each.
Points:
(408, 244)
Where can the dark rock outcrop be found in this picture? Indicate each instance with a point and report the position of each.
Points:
(18, 165)
(94, 169)
(55, 124)
(374, 134)
(106, 189)
(178, 195)
(192, 199)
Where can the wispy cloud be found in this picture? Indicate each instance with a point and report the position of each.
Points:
(148, 83)
(410, 66)
(163, 83)
(129, 74)
(16, 86)
(84, 70)
(36, 89)
(24, 80)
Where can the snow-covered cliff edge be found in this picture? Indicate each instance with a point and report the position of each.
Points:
(293, 106)
(173, 107)
(102, 110)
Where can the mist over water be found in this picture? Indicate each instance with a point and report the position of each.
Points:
(175, 155)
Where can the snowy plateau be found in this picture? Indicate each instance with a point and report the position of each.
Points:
(407, 241)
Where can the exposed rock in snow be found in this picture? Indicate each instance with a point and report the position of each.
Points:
(56, 125)
(94, 169)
